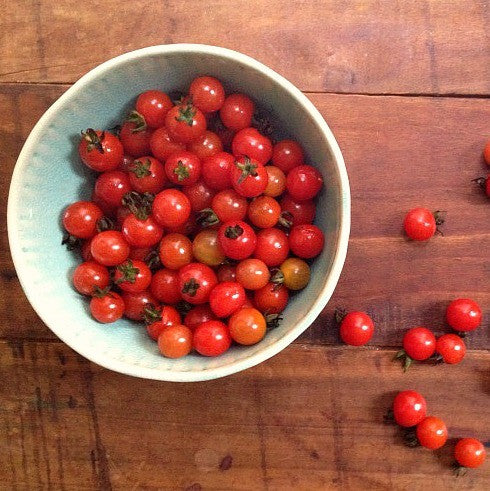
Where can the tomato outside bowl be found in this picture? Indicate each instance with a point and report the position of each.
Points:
(49, 175)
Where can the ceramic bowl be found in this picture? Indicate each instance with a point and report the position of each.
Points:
(48, 176)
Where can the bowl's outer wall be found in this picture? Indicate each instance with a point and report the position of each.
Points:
(49, 176)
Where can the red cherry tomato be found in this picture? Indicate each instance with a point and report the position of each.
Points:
(237, 239)
(147, 175)
(132, 276)
(264, 212)
(140, 253)
(409, 408)
(431, 433)
(297, 212)
(183, 168)
(175, 251)
(135, 304)
(211, 338)
(237, 112)
(486, 153)
(141, 233)
(250, 143)
(248, 177)
(109, 248)
(356, 329)
(463, 314)
(175, 341)
(111, 186)
(89, 276)
(100, 150)
(168, 316)
(303, 182)
(247, 326)
(306, 241)
(419, 343)
(420, 224)
(470, 452)
(206, 145)
(154, 105)
(197, 315)
(185, 123)
(196, 281)
(165, 286)
(207, 94)
(85, 251)
(106, 208)
(135, 137)
(107, 308)
(451, 347)
(226, 298)
(187, 228)
(162, 146)
(80, 219)
(229, 206)
(272, 246)
(271, 299)
(226, 272)
(287, 154)
(216, 170)
(276, 183)
(171, 208)
(200, 195)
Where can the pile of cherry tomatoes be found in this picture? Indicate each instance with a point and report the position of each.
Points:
(198, 223)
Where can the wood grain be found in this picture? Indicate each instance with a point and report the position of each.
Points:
(367, 46)
(400, 152)
(283, 424)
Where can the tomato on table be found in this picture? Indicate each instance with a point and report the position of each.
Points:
(100, 150)
(80, 219)
(451, 348)
(431, 432)
(470, 452)
(409, 408)
(356, 329)
(420, 224)
(107, 307)
(247, 326)
(463, 314)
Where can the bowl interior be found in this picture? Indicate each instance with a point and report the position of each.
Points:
(49, 176)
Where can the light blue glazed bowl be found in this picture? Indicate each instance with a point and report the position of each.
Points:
(48, 176)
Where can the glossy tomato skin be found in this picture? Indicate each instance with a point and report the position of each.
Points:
(90, 275)
(431, 433)
(463, 314)
(162, 146)
(306, 241)
(252, 273)
(299, 212)
(175, 251)
(171, 208)
(271, 299)
(140, 253)
(451, 348)
(141, 233)
(247, 326)
(226, 272)
(295, 273)
(132, 276)
(304, 182)
(197, 315)
(136, 142)
(211, 338)
(470, 452)
(276, 183)
(208, 144)
(109, 158)
(237, 239)
(420, 224)
(486, 153)
(272, 246)
(251, 143)
(85, 250)
(111, 186)
(108, 308)
(169, 316)
(135, 304)
(109, 248)
(216, 170)
(264, 212)
(226, 298)
(175, 341)
(419, 343)
(237, 112)
(153, 105)
(248, 177)
(185, 123)
(80, 219)
(200, 195)
(207, 94)
(165, 286)
(356, 329)
(183, 168)
(409, 408)
(196, 281)
(287, 154)
(206, 248)
(229, 206)
(147, 175)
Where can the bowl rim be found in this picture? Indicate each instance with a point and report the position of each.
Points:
(208, 374)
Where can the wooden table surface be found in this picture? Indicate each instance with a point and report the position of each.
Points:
(405, 88)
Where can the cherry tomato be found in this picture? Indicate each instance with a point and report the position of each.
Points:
(237, 112)
(154, 105)
(171, 208)
(80, 219)
(250, 143)
(237, 239)
(470, 452)
(135, 304)
(100, 150)
(229, 206)
(175, 251)
(207, 94)
(303, 182)
(132, 276)
(175, 341)
(197, 315)
(200, 195)
(264, 212)
(420, 224)
(106, 208)
(451, 347)
(147, 175)
(272, 246)
(206, 248)
(89, 276)
(206, 145)
(162, 146)
(183, 168)
(165, 286)
(107, 308)
(111, 186)
(431, 433)
(297, 212)
(216, 170)
(486, 153)
(140, 253)
(252, 274)
(141, 233)
(187, 228)
(276, 181)
(226, 298)
(248, 177)
(196, 281)
(356, 329)
(463, 314)
(135, 137)
(295, 273)
(226, 272)
(419, 343)
(185, 123)
(306, 241)
(247, 326)
(168, 316)
(85, 251)
(271, 299)
(409, 408)
(287, 154)
(211, 338)
(109, 248)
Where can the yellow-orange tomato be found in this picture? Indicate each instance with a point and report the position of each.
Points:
(264, 212)
(175, 341)
(296, 273)
(276, 183)
(486, 152)
(247, 326)
(206, 248)
(252, 274)
(175, 251)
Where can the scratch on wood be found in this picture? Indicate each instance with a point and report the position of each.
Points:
(13, 482)
(39, 406)
(260, 428)
(431, 49)
(61, 472)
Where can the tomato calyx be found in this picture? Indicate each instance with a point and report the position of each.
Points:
(184, 307)
(71, 242)
(140, 169)
(436, 359)
(459, 470)
(247, 168)
(139, 204)
(186, 114)
(410, 437)
(389, 417)
(104, 223)
(339, 314)
(286, 219)
(94, 140)
(277, 277)
(190, 287)
(115, 130)
(440, 218)
(207, 218)
(404, 358)
(181, 171)
(272, 320)
(152, 260)
(177, 97)
(138, 120)
(128, 271)
(233, 232)
(151, 314)
(102, 292)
